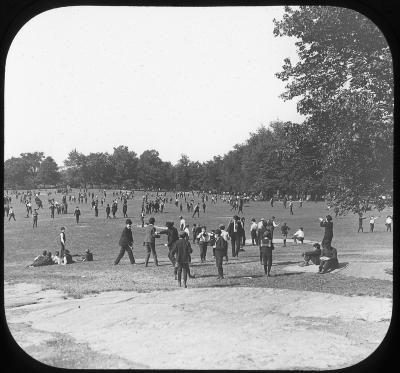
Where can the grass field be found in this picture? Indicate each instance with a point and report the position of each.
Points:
(22, 243)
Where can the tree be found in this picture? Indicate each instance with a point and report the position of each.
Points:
(15, 172)
(77, 168)
(344, 85)
(182, 173)
(33, 160)
(125, 164)
(48, 172)
(151, 173)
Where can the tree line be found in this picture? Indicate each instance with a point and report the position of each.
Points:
(343, 84)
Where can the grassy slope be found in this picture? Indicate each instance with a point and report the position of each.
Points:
(22, 244)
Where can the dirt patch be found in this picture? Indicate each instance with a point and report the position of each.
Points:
(221, 328)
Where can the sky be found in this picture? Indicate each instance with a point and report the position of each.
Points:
(192, 81)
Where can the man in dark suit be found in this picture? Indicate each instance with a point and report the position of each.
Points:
(150, 241)
(173, 236)
(235, 232)
(126, 242)
(328, 234)
(182, 249)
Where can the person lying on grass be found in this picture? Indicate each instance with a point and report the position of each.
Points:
(42, 260)
(86, 257)
(328, 260)
(313, 255)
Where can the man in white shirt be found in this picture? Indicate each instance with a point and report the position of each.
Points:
(253, 232)
(299, 235)
(182, 223)
(388, 223)
(372, 223)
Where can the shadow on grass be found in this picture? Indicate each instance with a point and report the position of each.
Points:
(286, 263)
(249, 277)
(287, 274)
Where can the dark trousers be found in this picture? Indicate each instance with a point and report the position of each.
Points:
(388, 227)
(235, 242)
(371, 227)
(266, 256)
(219, 256)
(122, 252)
(62, 251)
(327, 265)
(151, 249)
(360, 228)
(311, 255)
(203, 250)
(253, 237)
(11, 216)
(185, 268)
(243, 239)
(34, 223)
(77, 219)
(196, 212)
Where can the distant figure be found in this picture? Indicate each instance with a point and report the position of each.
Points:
(196, 211)
(336, 211)
(182, 223)
(285, 230)
(77, 214)
(372, 223)
(360, 222)
(272, 201)
(35, 218)
(253, 232)
(42, 260)
(108, 210)
(88, 257)
(291, 207)
(388, 223)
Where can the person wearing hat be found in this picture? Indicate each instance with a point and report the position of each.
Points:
(77, 214)
(313, 255)
(150, 241)
(328, 233)
(226, 237)
(234, 230)
(172, 237)
(182, 250)
(221, 246)
(126, 242)
(266, 247)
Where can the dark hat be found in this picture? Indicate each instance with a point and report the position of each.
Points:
(87, 251)
(328, 217)
(218, 231)
(317, 245)
(182, 234)
(222, 226)
(62, 228)
(152, 220)
(128, 221)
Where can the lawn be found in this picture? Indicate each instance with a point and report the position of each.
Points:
(22, 243)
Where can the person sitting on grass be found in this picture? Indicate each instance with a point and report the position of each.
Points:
(67, 258)
(182, 250)
(313, 255)
(56, 258)
(42, 260)
(328, 260)
(299, 235)
(88, 257)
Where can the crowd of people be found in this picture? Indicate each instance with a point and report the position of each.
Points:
(180, 242)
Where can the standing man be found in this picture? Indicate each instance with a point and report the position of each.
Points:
(243, 234)
(388, 223)
(150, 241)
(96, 209)
(35, 218)
(272, 201)
(360, 222)
(173, 236)
(284, 229)
(142, 218)
(266, 247)
(52, 208)
(226, 237)
(108, 210)
(328, 234)
(125, 208)
(182, 223)
(234, 229)
(77, 214)
(220, 244)
(253, 232)
(11, 214)
(63, 240)
(196, 210)
(291, 207)
(372, 223)
(182, 250)
(126, 243)
(204, 207)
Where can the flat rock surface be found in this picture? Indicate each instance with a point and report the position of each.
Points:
(213, 328)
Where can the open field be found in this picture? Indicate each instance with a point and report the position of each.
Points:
(144, 304)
